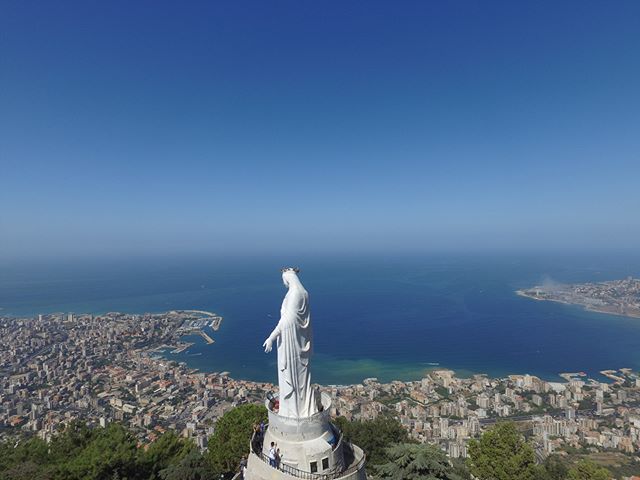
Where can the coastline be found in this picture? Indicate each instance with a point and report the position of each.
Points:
(602, 376)
(126, 356)
(360, 369)
(365, 368)
(193, 350)
(585, 307)
(382, 321)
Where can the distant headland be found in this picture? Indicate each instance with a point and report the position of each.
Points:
(616, 297)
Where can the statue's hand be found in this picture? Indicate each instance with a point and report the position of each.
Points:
(268, 345)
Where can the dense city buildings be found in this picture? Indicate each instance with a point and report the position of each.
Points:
(618, 297)
(59, 368)
(62, 367)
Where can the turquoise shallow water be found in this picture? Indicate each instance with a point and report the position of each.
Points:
(389, 317)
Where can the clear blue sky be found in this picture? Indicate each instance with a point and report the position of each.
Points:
(256, 127)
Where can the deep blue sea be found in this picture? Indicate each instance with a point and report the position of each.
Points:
(388, 317)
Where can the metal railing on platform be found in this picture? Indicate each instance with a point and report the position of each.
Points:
(256, 448)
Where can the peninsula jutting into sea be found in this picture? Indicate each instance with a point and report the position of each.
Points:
(616, 297)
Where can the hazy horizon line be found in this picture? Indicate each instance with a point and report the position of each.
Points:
(300, 255)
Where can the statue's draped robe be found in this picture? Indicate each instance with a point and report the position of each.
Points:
(297, 398)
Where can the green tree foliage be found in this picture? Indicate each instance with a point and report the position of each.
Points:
(193, 466)
(80, 453)
(410, 461)
(27, 470)
(373, 436)
(24, 460)
(502, 453)
(232, 435)
(552, 469)
(166, 451)
(588, 470)
(6, 449)
(460, 468)
(71, 442)
(112, 451)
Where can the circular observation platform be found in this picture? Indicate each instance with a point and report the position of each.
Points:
(310, 448)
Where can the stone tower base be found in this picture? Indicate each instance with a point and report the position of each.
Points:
(310, 448)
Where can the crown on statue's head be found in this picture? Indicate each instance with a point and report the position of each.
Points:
(290, 269)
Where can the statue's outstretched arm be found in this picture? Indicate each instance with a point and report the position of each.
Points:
(268, 343)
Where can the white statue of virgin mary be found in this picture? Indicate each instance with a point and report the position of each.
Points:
(293, 333)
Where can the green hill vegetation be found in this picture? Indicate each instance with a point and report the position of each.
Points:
(80, 453)
(113, 453)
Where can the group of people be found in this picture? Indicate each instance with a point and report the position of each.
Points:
(258, 437)
(257, 442)
(274, 455)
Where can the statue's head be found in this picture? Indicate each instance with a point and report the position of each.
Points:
(288, 274)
